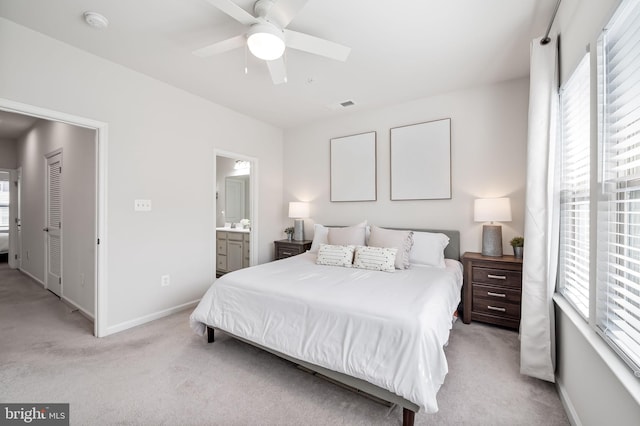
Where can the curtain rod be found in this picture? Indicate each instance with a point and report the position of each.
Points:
(546, 38)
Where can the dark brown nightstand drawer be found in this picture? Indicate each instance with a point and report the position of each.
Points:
(504, 295)
(496, 308)
(287, 251)
(498, 277)
(286, 248)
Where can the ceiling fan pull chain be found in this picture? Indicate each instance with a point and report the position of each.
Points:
(284, 59)
(246, 67)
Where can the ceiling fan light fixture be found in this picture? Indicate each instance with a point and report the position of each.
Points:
(265, 41)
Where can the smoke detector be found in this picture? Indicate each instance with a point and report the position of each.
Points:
(96, 20)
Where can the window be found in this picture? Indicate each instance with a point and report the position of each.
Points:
(4, 202)
(573, 269)
(618, 282)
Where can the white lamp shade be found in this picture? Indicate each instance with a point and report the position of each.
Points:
(298, 210)
(492, 210)
(265, 41)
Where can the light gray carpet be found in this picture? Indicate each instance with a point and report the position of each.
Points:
(163, 374)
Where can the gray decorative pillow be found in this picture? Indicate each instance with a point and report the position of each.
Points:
(375, 258)
(335, 255)
(401, 240)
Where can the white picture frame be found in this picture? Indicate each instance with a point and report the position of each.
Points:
(353, 168)
(421, 161)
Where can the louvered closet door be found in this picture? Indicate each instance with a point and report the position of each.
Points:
(54, 224)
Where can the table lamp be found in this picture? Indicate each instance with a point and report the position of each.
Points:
(297, 211)
(492, 210)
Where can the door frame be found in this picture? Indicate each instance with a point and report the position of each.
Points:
(15, 238)
(100, 277)
(253, 204)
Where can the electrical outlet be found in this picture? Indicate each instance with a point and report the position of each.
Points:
(142, 205)
(81, 280)
(165, 280)
(27, 253)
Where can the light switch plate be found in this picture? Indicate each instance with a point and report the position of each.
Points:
(142, 205)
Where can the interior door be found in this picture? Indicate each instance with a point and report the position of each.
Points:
(53, 227)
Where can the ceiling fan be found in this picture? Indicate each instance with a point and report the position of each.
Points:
(267, 36)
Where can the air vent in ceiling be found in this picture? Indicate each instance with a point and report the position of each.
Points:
(341, 105)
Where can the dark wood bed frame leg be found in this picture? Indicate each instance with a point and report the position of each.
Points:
(408, 417)
(210, 338)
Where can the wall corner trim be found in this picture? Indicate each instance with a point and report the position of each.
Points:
(567, 404)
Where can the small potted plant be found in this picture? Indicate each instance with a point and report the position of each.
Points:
(518, 246)
(289, 232)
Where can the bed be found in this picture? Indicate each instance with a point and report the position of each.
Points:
(4, 241)
(379, 332)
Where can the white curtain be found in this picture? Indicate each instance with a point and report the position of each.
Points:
(537, 337)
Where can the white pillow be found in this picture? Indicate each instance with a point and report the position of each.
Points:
(335, 255)
(320, 234)
(401, 240)
(375, 258)
(428, 249)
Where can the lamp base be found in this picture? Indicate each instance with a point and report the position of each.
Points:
(298, 229)
(492, 240)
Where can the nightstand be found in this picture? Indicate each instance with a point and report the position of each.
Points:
(492, 289)
(286, 248)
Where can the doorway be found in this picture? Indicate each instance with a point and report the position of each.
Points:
(5, 206)
(97, 278)
(236, 221)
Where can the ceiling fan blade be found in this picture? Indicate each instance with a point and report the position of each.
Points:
(221, 46)
(277, 70)
(235, 11)
(283, 11)
(315, 45)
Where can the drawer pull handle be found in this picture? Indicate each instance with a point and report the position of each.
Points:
(494, 308)
(490, 293)
(497, 277)
(286, 253)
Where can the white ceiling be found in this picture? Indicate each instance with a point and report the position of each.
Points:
(401, 49)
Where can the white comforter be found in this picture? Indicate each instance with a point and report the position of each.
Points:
(386, 328)
(4, 242)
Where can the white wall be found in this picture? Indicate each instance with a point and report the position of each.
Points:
(488, 145)
(78, 206)
(161, 147)
(8, 154)
(596, 385)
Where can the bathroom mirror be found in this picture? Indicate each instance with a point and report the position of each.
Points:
(237, 205)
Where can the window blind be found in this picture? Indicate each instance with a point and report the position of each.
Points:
(573, 268)
(618, 303)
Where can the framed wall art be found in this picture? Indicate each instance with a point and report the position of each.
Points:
(421, 161)
(353, 167)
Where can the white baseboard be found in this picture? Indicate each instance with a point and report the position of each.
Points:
(148, 318)
(32, 277)
(566, 403)
(75, 305)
